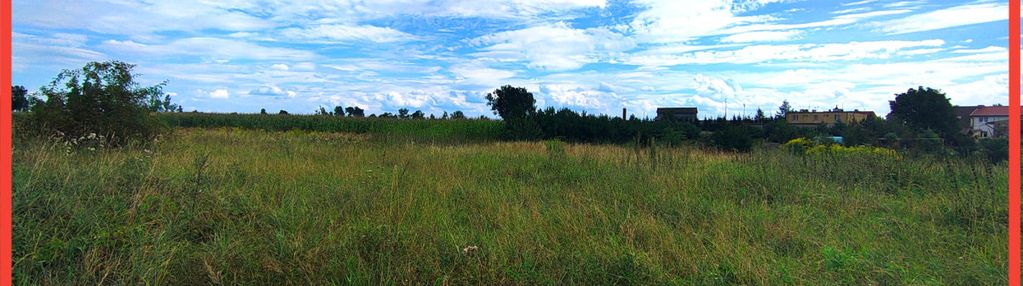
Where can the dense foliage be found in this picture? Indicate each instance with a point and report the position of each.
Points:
(100, 99)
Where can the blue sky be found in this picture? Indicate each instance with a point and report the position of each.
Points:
(592, 55)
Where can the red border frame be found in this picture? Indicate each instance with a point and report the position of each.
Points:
(6, 229)
(6, 183)
(1014, 141)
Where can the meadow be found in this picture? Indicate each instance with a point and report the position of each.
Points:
(263, 206)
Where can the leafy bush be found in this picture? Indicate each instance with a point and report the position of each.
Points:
(804, 146)
(101, 99)
(996, 149)
(735, 138)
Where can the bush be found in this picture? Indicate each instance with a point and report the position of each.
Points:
(736, 138)
(996, 149)
(100, 99)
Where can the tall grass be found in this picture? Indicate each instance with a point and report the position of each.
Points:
(222, 206)
(448, 131)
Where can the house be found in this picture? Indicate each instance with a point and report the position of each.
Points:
(806, 118)
(963, 117)
(984, 121)
(677, 113)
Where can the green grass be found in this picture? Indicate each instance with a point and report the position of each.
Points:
(390, 129)
(222, 206)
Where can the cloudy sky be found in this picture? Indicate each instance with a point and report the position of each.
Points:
(592, 55)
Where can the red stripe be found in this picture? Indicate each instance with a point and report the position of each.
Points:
(1014, 140)
(5, 145)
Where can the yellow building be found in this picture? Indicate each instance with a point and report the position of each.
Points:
(828, 118)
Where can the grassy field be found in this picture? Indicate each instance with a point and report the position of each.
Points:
(231, 206)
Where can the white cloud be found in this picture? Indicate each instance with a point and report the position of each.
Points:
(345, 33)
(764, 36)
(554, 46)
(818, 53)
(281, 67)
(220, 94)
(206, 47)
(947, 18)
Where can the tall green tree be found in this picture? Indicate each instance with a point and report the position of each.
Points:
(339, 111)
(924, 108)
(19, 98)
(355, 111)
(784, 109)
(511, 103)
(101, 98)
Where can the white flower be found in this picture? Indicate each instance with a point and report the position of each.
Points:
(470, 249)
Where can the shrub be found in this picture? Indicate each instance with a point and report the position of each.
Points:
(99, 99)
(996, 149)
(735, 138)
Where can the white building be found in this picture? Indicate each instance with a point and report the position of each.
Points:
(984, 120)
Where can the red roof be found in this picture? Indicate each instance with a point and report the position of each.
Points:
(991, 111)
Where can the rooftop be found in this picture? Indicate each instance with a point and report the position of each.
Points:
(991, 111)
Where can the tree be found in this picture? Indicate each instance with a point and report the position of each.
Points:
(445, 116)
(924, 108)
(282, 112)
(322, 111)
(760, 115)
(457, 115)
(156, 104)
(100, 99)
(262, 111)
(417, 115)
(19, 98)
(784, 109)
(355, 111)
(403, 113)
(511, 103)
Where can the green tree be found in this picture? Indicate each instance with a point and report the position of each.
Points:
(417, 115)
(784, 109)
(19, 98)
(355, 111)
(511, 103)
(457, 115)
(924, 108)
(403, 113)
(262, 111)
(101, 99)
(339, 111)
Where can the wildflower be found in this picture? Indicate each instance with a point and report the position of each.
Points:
(470, 249)
(92, 136)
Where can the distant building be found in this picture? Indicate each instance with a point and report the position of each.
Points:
(677, 113)
(963, 117)
(985, 121)
(807, 118)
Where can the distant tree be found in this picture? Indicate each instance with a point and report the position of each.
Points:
(445, 116)
(760, 115)
(19, 98)
(282, 112)
(417, 115)
(262, 111)
(322, 111)
(339, 111)
(387, 115)
(354, 111)
(511, 103)
(784, 109)
(924, 108)
(403, 113)
(157, 104)
(457, 115)
(432, 117)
